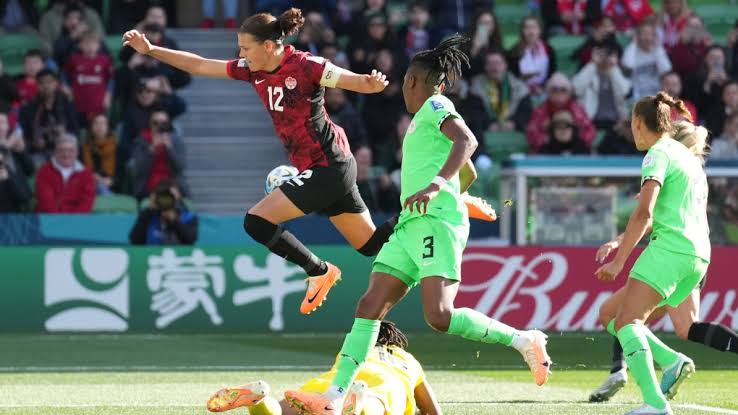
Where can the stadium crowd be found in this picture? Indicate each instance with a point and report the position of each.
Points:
(83, 120)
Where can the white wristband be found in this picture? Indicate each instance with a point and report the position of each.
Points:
(440, 181)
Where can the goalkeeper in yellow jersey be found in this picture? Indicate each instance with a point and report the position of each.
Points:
(390, 381)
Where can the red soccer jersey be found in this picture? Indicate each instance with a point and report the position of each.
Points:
(89, 79)
(293, 95)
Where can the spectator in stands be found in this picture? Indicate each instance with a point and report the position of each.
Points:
(18, 164)
(472, 109)
(72, 30)
(485, 37)
(571, 17)
(602, 36)
(49, 116)
(26, 84)
(732, 48)
(728, 105)
(563, 136)
(166, 221)
(618, 139)
(381, 110)
(390, 157)
(532, 59)
(8, 90)
(501, 94)
(416, 35)
(367, 187)
(602, 88)
(63, 184)
(705, 86)
(52, 21)
(18, 16)
(99, 151)
(150, 95)
(230, 11)
(671, 83)
(123, 15)
(726, 146)
(158, 154)
(687, 54)
(559, 91)
(626, 14)
(455, 16)
(335, 55)
(14, 190)
(674, 20)
(645, 60)
(89, 72)
(363, 50)
(314, 34)
(343, 113)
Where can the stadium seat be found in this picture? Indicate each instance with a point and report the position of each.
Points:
(564, 46)
(12, 48)
(501, 145)
(115, 204)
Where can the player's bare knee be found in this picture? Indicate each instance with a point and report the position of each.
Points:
(606, 315)
(438, 318)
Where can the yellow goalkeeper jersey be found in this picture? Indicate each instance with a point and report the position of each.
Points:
(391, 373)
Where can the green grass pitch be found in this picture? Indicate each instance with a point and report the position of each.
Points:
(175, 374)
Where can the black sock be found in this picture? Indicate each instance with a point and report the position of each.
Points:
(291, 249)
(379, 237)
(617, 356)
(714, 335)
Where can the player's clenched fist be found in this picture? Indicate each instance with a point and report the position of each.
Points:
(137, 41)
(377, 81)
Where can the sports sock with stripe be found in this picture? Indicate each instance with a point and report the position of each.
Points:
(639, 359)
(473, 325)
(356, 347)
(714, 335)
(662, 354)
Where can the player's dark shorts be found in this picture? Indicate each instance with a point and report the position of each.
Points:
(329, 190)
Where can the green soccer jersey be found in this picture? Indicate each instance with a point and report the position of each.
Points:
(680, 215)
(425, 149)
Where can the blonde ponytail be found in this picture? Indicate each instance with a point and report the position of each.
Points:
(693, 137)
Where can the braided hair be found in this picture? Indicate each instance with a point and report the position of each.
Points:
(444, 62)
(390, 335)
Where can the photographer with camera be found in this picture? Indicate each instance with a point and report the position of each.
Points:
(158, 154)
(47, 117)
(166, 221)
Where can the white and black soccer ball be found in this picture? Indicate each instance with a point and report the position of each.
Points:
(279, 175)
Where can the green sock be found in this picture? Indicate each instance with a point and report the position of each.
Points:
(267, 406)
(639, 359)
(664, 355)
(473, 325)
(356, 347)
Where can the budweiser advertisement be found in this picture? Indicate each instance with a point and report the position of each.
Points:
(555, 288)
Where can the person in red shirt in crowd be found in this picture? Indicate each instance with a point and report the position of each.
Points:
(158, 154)
(671, 83)
(673, 21)
(688, 53)
(627, 14)
(559, 91)
(532, 59)
(33, 63)
(89, 72)
(63, 184)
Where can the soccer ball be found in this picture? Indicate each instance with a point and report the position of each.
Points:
(279, 175)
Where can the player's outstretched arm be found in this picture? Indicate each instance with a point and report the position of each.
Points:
(638, 225)
(186, 61)
(364, 84)
(426, 400)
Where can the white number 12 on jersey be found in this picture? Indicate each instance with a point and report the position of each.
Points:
(275, 98)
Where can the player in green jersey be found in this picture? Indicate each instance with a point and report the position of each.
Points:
(673, 202)
(685, 316)
(428, 241)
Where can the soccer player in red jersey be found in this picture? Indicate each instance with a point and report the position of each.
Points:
(291, 84)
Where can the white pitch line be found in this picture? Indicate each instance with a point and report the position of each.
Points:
(160, 368)
(527, 404)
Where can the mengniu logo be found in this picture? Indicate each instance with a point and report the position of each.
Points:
(86, 289)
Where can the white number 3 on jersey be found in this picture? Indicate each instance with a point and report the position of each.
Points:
(275, 98)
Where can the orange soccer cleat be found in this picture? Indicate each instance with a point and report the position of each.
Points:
(318, 287)
(235, 396)
(310, 403)
(478, 208)
(537, 357)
